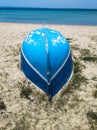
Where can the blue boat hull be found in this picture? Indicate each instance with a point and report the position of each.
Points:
(47, 63)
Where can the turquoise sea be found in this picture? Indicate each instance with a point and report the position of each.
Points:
(51, 16)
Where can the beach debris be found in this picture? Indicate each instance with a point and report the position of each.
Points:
(26, 92)
(46, 60)
(2, 105)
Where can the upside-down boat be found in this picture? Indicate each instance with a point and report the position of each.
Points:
(46, 60)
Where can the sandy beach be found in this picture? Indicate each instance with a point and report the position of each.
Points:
(24, 107)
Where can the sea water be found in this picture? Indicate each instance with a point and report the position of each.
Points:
(49, 16)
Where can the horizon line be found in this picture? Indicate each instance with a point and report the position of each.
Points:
(45, 8)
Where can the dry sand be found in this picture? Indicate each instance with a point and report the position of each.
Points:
(73, 108)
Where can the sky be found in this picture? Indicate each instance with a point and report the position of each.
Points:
(86, 4)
